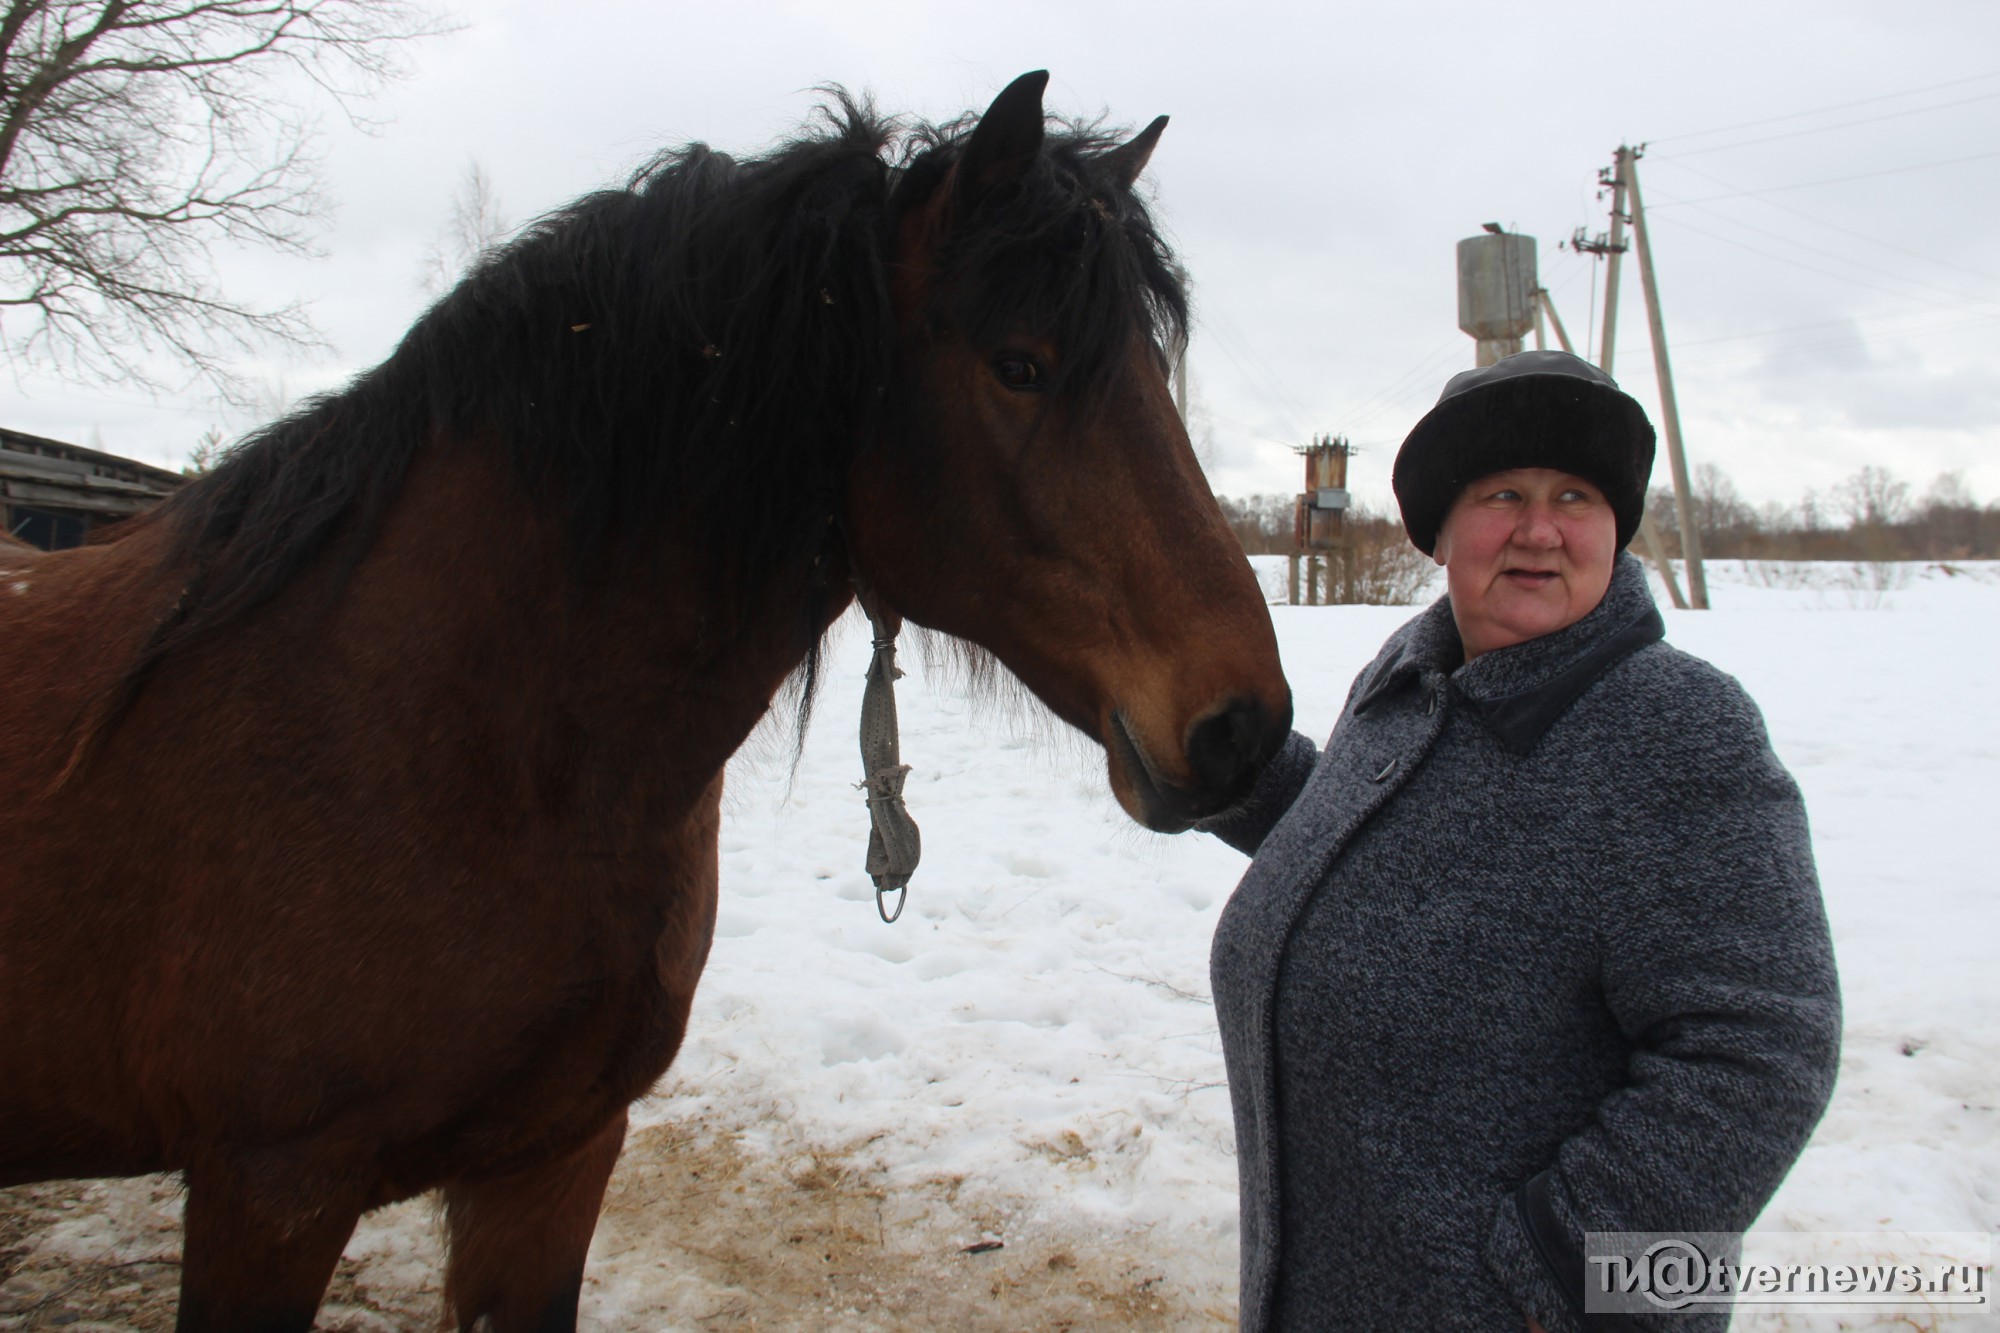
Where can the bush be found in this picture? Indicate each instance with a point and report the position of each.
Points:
(1377, 567)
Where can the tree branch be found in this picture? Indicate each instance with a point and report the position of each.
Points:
(137, 134)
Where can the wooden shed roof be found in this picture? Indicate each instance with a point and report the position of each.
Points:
(49, 473)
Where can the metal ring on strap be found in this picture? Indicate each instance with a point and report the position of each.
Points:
(902, 896)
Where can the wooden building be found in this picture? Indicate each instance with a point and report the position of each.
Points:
(52, 494)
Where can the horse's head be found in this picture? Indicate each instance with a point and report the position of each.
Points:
(1035, 491)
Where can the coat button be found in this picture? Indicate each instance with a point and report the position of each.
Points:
(1387, 769)
(1431, 703)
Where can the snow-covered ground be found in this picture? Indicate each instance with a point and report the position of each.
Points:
(1030, 1052)
(1037, 1022)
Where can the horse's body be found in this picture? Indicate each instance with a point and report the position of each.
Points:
(358, 809)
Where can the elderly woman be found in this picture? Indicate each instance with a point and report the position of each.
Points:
(1535, 947)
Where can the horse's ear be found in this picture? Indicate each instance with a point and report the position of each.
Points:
(1006, 139)
(1128, 159)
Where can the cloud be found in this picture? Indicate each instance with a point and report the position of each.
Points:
(1321, 164)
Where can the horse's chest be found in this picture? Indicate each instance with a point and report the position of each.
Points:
(595, 1048)
(604, 1037)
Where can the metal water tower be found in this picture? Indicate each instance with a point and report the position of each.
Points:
(1496, 291)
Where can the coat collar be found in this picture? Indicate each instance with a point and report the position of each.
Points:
(1521, 690)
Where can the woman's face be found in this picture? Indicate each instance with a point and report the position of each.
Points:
(1526, 553)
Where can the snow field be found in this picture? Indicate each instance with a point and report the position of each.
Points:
(1886, 719)
(1038, 1023)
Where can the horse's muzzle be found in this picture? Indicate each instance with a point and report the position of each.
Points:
(1226, 749)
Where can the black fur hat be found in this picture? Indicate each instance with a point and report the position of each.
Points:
(1533, 409)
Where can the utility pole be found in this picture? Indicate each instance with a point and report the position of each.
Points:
(1670, 416)
(1611, 248)
(1615, 251)
(1562, 334)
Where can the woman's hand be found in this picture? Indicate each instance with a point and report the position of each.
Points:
(1534, 1327)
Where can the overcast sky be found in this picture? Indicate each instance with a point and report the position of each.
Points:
(1823, 181)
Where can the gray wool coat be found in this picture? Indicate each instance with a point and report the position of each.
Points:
(1534, 948)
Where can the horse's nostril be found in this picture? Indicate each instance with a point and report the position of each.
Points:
(1225, 747)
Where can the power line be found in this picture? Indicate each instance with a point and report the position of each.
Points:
(1831, 226)
(1572, 266)
(1826, 129)
(1847, 321)
(1813, 268)
(1413, 377)
(1731, 358)
(1415, 381)
(1233, 337)
(1837, 106)
(1840, 258)
(1392, 394)
(1399, 390)
(1237, 348)
(1984, 312)
(1422, 391)
(1247, 428)
(1834, 180)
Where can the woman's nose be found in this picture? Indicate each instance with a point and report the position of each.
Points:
(1537, 528)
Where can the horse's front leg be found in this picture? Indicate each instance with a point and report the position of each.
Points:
(260, 1239)
(518, 1242)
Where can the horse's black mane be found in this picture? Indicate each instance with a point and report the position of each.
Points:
(707, 347)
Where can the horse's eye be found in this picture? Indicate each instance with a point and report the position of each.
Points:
(1017, 370)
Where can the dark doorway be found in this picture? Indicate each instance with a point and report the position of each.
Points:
(46, 528)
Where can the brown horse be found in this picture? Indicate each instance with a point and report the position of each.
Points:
(358, 808)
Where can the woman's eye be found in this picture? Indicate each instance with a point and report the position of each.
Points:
(1017, 371)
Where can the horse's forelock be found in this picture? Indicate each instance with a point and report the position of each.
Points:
(1067, 250)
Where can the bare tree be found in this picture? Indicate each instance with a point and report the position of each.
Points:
(1948, 521)
(1666, 517)
(1874, 497)
(475, 225)
(1812, 511)
(1725, 517)
(1949, 491)
(206, 453)
(137, 134)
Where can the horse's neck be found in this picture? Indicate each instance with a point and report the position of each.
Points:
(467, 606)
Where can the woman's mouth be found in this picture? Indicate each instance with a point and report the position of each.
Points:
(1531, 578)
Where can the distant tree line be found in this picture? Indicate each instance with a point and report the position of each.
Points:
(1872, 515)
